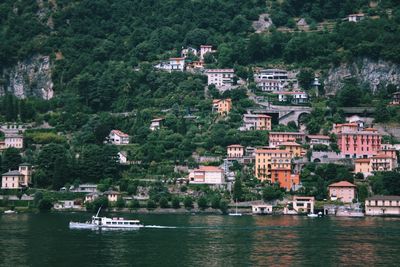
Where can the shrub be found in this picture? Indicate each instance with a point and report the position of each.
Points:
(151, 204)
(120, 203)
(164, 203)
(223, 206)
(134, 204)
(176, 203)
(188, 202)
(202, 202)
(215, 202)
(45, 204)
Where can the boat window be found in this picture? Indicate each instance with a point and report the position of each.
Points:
(126, 222)
(120, 223)
(114, 222)
(108, 222)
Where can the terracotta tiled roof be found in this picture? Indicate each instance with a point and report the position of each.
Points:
(209, 169)
(235, 145)
(289, 144)
(362, 160)
(286, 133)
(342, 184)
(119, 133)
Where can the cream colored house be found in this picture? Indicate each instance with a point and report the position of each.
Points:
(207, 175)
(261, 209)
(156, 124)
(112, 196)
(300, 204)
(91, 197)
(382, 205)
(343, 191)
(16, 179)
(117, 137)
(14, 140)
(235, 151)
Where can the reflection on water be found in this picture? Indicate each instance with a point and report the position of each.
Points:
(45, 240)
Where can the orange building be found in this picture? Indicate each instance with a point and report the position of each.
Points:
(222, 106)
(285, 178)
(268, 160)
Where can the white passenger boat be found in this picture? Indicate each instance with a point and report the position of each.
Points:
(10, 212)
(106, 223)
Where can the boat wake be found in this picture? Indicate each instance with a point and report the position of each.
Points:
(159, 226)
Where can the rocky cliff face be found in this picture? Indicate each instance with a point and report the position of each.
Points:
(369, 73)
(31, 77)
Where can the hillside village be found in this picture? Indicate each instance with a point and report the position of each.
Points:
(201, 127)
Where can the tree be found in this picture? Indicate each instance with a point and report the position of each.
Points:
(100, 202)
(45, 204)
(134, 204)
(188, 202)
(120, 203)
(176, 203)
(202, 202)
(270, 193)
(237, 190)
(223, 206)
(151, 204)
(11, 159)
(305, 78)
(215, 201)
(164, 203)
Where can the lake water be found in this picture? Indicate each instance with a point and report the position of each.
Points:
(201, 240)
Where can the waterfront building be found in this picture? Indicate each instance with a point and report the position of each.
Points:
(207, 175)
(343, 191)
(17, 179)
(276, 138)
(117, 137)
(354, 142)
(256, 122)
(382, 205)
(111, 195)
(222, 106)
(91, 197)
(300, 205)
(235, 151)
(156, 124)
(221, 78)
(85, 188)
(261, 209)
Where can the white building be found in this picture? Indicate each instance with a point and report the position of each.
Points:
(204, 49)
(256, 122)
(261, 209)
(188, 51)
(85, 188)
(221, 78)
(117, 137)
(156, 124)
(382, 205)
(355, 17)
(207, 175)
(267, 85)
(318, 140)
(173, 64)
(271, 74)
(296, 97)
(300, 205)
(66, 204)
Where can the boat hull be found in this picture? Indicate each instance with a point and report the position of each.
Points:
(76, 225)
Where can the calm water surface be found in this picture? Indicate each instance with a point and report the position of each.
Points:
(201, 240)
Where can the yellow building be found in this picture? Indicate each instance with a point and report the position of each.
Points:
(294, 148)
(222, 106)
(268, 160)
(363, 166)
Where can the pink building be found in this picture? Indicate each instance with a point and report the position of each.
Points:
(277, 138)
(354, 142)
(343, 191)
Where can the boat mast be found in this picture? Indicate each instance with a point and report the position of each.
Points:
(97, 214)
